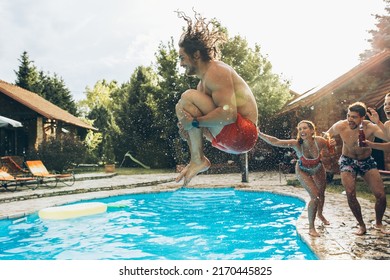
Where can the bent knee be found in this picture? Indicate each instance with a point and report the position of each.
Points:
(189, 93)
(178, 107)
(185, 99)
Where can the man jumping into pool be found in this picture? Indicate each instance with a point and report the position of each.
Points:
(222, 108)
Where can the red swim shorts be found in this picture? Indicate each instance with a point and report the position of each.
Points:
(237, 138)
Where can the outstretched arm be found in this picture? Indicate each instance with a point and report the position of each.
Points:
(374, 117)
(333, 130)
(378, 146)
(377, 132)
(290, 143)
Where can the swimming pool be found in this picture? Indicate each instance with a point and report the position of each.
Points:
(203, 224)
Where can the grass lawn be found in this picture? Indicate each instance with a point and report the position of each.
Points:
(122, 170)
(134, 171)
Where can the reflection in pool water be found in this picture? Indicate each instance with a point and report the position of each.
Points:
(203, 224)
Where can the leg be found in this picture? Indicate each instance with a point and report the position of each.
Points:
(197, 104)
(320, 181)
(348, 180)
(308, 183)
(375, 182)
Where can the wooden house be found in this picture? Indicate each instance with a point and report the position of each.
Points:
(40, 118)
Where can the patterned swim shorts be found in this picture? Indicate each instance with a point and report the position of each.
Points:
(355, 166)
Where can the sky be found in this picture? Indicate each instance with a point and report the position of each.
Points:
(308, 42)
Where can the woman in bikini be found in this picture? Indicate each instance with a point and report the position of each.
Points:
(309, 169)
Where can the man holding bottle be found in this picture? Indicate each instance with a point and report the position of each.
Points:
(357, 160)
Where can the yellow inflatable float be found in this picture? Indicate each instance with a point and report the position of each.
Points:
(72, 211)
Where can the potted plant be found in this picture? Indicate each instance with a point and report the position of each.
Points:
(109, 167)
(108, 156)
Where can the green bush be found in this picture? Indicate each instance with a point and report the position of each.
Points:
(60, 154)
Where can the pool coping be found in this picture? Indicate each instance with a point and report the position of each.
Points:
(337, 241)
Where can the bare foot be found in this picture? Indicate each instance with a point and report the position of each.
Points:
(182, 173)
(193, 169)
(381, 228)
(323, 220)
(313, 232)
(384, 231)
(362, 230)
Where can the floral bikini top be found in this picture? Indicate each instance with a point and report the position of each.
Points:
(310, 164)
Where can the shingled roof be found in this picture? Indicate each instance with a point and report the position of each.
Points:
(40, 105)
(373, 99)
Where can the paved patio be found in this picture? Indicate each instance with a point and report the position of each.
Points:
(337, 241)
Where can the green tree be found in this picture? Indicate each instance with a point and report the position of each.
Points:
(171, 85)
(55, 91)
(136, 119)
(97, 107)
(270, 91)
(380, 37)
(27, 76)
(101, 95)
(52, 88)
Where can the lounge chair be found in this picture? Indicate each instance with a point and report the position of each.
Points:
(7, 180)
(13, 167)
(39, 171)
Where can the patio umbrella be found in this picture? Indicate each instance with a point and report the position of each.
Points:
(6, 122)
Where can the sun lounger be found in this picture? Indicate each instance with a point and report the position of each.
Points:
(7, 180)
(13, 167)
(39, 171)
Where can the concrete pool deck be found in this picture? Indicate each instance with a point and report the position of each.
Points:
(337, 241)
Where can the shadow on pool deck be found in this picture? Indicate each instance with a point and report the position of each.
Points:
(337, 241)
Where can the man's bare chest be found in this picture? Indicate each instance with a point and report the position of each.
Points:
(202, 87)
(349, 137)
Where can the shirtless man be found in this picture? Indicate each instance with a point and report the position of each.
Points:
(357, 160)
(222, 108)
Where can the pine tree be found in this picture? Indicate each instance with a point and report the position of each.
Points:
(55, 91)
(27, 76)
(52, 88)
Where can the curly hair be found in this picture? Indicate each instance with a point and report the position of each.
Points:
(202, 36)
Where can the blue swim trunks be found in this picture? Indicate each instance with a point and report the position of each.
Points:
(355, 166)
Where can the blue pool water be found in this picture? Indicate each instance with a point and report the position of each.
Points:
(203, 224)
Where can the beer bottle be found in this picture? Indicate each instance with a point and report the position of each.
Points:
(362, 137)
(331, 148)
